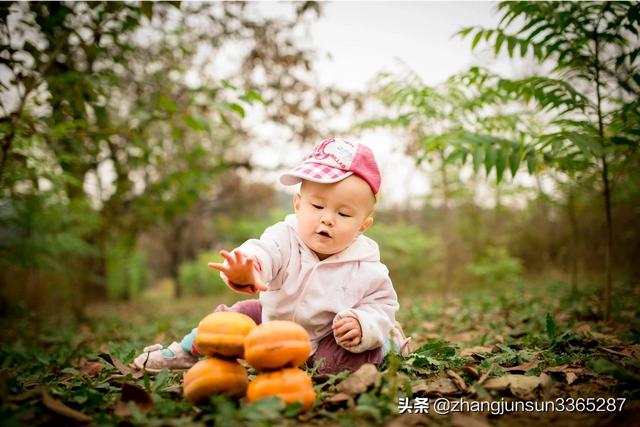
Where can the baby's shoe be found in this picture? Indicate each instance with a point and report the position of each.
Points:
(156, 357)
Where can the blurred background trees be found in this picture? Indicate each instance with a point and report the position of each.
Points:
(125, 160)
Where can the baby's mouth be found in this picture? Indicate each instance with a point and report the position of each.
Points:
(323, 233)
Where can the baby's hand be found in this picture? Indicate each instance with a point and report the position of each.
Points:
(240, 272)
(347, 331)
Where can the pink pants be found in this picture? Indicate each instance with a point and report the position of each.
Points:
(333, 358)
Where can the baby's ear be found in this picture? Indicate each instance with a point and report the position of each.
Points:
(366, 224)
(296, 201)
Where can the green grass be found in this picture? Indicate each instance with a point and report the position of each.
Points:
(544, 326)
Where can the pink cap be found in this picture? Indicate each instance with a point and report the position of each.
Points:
(333, 160)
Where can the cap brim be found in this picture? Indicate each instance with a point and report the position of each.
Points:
(296, 176)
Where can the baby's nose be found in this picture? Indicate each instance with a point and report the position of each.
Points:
(327, 218)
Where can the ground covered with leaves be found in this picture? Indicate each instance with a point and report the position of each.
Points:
(493, 353)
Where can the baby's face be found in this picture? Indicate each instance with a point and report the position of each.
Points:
(331, 216)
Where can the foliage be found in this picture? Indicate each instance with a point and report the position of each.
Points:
(195, 278)
(526, 326)
(411, 255)
(592, 90)
(449, 123)
(126, 271)
(101, 110)
(496, 268)
(235, 230)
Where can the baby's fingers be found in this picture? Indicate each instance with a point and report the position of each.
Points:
(217, 266)
(339, 323)
(240, 259)
(226, 255)
(342, 329)
(351, 335)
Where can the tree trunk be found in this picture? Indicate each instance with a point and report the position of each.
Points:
(609, 247)
(606, 184)
(573, 243)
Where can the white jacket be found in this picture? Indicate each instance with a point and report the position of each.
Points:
(317, 293)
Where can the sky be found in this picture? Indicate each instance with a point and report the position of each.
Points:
(363, 38)
(357, 40)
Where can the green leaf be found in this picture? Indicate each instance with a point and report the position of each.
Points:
(498, 43)
(511, 44)
(194, 123)
(255, 96)
(292, 410)
(501, 163)
(476, 39)
(237, 108)
(587, 144)
(490, 159)
(477, 158)
(514, 161)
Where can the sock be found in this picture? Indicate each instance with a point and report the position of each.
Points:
(188, 343)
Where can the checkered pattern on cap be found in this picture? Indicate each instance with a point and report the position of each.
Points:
(320, 173)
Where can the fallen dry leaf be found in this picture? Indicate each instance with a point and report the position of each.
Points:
(521, 386)
(570, 377)
(116, 363)
(458, 381)
(471, 371)
(476, 351)
(605, 337)
(563, 369)
(523, 367)
(61, 409)
(135, 394)
(360, 380)
(440, 387)
(91, 369)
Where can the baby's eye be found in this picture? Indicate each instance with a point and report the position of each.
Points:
(316, 206)
(344, 215)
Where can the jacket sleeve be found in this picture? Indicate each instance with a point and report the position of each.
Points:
(268, 252)
(375, 313)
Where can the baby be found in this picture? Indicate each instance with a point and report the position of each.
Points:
(315, 268)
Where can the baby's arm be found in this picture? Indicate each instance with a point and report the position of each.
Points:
(375, 315)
